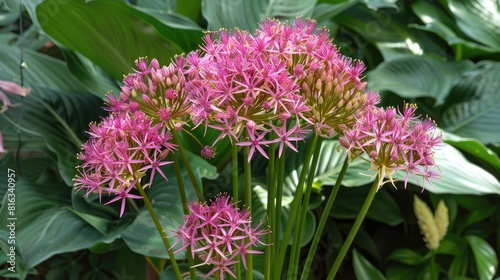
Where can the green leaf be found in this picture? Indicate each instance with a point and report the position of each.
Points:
(42, 70)
(473, 107)
(44, 225)
(473, 147)
(112, 34)
(417, 76)
(442, 25)
(379, 4)
(9, 12)
(247, 14)
(384, 208)
(407, 256)
(485, 256)
(363, 269)
(479, 19)
(61, 118)
(458, 175)
(325, 11)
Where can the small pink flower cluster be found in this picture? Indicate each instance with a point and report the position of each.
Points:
(121, 149)
(219, 232)
(160, 92)
(283, 79)
(394, 141)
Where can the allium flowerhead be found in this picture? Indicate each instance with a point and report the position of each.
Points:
(395, 141)
(158, 91)
(241, 82)
(219, 232)
(330, 83)
(121, 149)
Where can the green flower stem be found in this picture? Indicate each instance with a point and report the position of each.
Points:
(279, 198)
(236, 189)
(189, 170)
(433, 269)
(270, 212)
(296, 245)
(247, 169)
(295, 206)
(322, 222)
(354, 229)
(159, 228)
(185, 209)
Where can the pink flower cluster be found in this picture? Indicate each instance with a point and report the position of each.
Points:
(121, 149)
(393, 141)
(160, 92)
(218, 233)
(279, 82)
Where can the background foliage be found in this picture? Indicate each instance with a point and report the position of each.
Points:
(442, 55)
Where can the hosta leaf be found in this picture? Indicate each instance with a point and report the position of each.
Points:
(417, 76)
(439, 23)
(247, 14)
(45, 226)
(61, 118)
(363, 269)
(383, 209)
(473, 147)
(41, 70)
(485, 256)
(325, 11)
(460, 176)
(479, 19)
(475, 104)
(112, 34)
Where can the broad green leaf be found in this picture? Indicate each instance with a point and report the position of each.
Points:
(325, 11)
(473, 147)
(459, 175)
(61, 118)
(383, 209)
(41, 70)
(246, 15)
(176, 14)
(363, 269)
(379, 4)
(44, 225)
(479, 19)
(112, 34)
(417, 76)
(485, 256)
(9, 12)
(474, 104)
(406, 256)
(439, 23)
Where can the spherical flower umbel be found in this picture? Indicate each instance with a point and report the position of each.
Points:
(121, 149)
(159, 92)
(395, 141)
(330, 84)
(219, 232)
